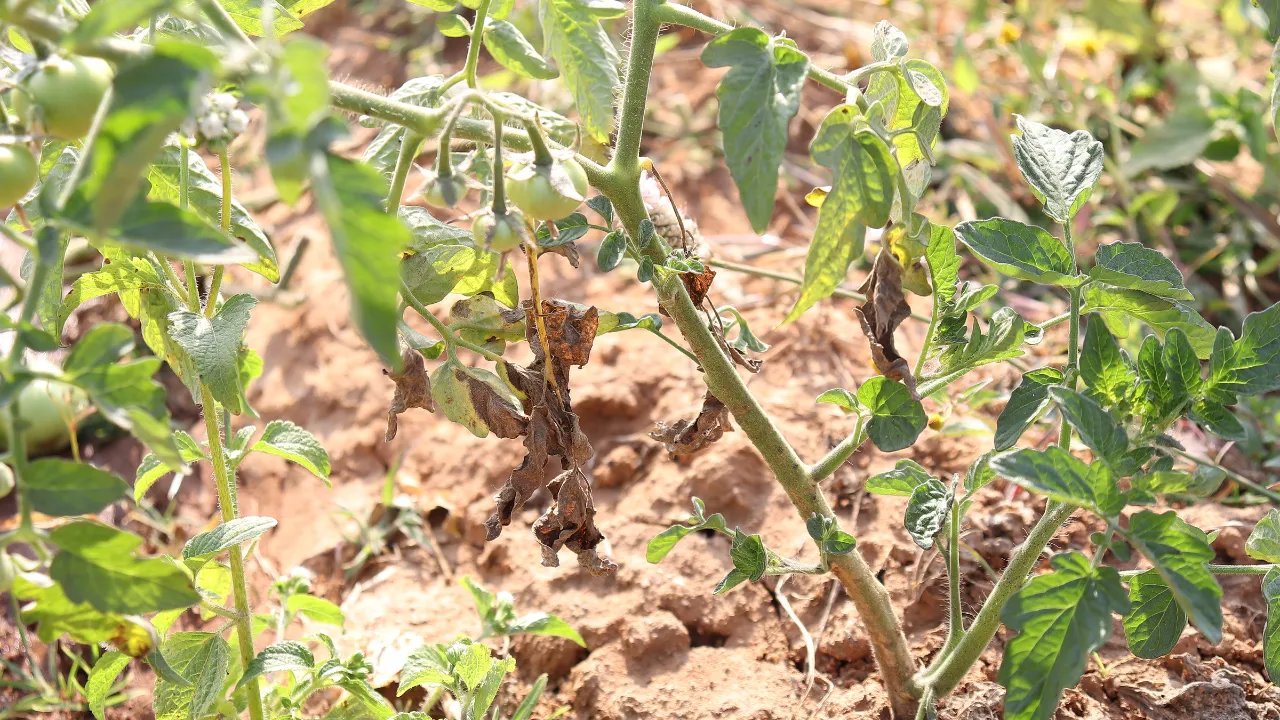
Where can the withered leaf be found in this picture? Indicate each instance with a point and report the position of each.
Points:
(570, 522)
(413, 389)
(885, 309)
(736, 354)
(571, 330)
(698, 285)
(568, 250)
(504, 419)
(686, 436)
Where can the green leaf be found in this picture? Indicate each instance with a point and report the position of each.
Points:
(47, 606)
(525, 709)
(1104, 369)
(105, 18)
(1060, 168)
(425, 666)
(586, 56)
(1117, 305)
(1021, 251)
(1252, 366)
(367, 241)
(545, 624)
(1179, 553)
(101, 679)
(1182, 367)
(841, 398)
(428, 231)
(248, 15)
(452, 26)
(1060, 619)
(1264, 541)
(1003, 340)
(861, 195)
(1134, 266)
(1095, 426)
(509, 47)
(439, 270)
(475, 398)
(385, 147)
(902, 480)
(315, 608)
(897, 419)
(731, 580)
(150, 97)
(944, 261)
(662, 544)
(1271, 633)
(612, 250)
(114, 277)
(748, 555)
(59, 487)
(758, 97)
(477, 705)
(926, 512)
(1055, 473)
(227, 535)
(96, 565)
(283, 438)
(204, 192)
(1156, 622)
(473, 665)
(202, 660)
(214, 346)
(1178, 141)
(168, 231)
(1026, 403)
(283, 656)
(103, 344)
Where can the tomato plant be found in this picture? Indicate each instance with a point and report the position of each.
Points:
(124, 116)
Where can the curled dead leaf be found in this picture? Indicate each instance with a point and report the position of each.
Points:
(413, 389)
(698, 285)
(570, 522)
(885, 309)
(571, 330)
(686, 436)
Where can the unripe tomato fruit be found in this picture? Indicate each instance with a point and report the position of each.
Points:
(440, 190)
(497, 234)
(63, 95)
(19, 172)
(44, 408)
(540, 201)
(6, 480)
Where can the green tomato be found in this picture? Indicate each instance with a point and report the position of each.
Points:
(6, 480)
(63, 95)
(444, 192)
(498, 234)
(540, 200)
(45, 408)
(19, 172)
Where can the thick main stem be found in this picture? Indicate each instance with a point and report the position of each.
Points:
(225, 482)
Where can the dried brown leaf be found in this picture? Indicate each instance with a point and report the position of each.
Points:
(885, 309)
(687, 436)
(570, 522)
(568, 250)
(504, 419)
(413, 389)
(571, 330)
(698, 285)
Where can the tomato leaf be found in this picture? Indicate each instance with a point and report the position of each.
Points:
(586, 56)
(1060, 168)
(202, 660)
(902, 480)
(1021, 251)
(1156, 621)
(60, 487)
(283, 656)
(758, 97)
(1180, 553)
(1027, 401)
(926, 512)
(544, 624)
(101, 678)
(227, 535)
(283, 438)
(214, 346)
(1117, 305)
(1055, 473)
(897, 419)
(1134, 266)
(509, 47)
(1060, 618)
(96, 565)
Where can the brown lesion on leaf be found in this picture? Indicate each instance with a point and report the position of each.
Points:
(553, 430)
(504, 419)
(687, 436)
(885, 309)
(413, 389)
(698, 285)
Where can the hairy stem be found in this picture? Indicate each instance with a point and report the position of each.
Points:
(1073, 362)
(409, 145)
(225, 480)
(215, 285)
(473, 47)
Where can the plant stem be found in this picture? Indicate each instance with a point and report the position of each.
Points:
(1218, 570)
(927, 346)
(950, 670)
(224, 479)
(224, 164)
(473, 47)
(409, 145)
(955, 629)
(837, 456)
(620, 183)
(1271, 495)
(784, 277)
(445, 333)
(1073, 363)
